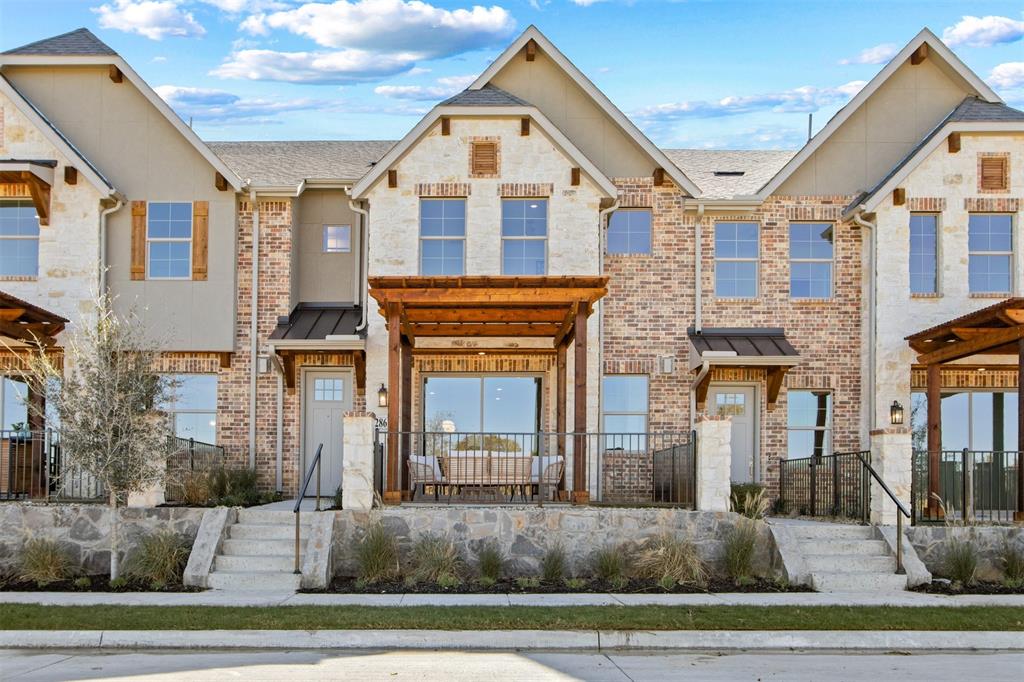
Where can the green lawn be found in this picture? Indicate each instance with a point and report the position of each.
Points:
(36, 617)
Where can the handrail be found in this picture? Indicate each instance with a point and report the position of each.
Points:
(298, 501)
(903, 511)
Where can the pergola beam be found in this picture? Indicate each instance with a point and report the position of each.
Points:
(973, 346)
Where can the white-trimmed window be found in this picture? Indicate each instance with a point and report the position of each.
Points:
(629, 231)
(524, 236)
(809, 424)
(193, 407)
(19, 239)
(810, 259)
(624, 407)
(337, 239)
(442, 236)
(990, 247)
(924, 253)
(169, 240)
(736, 254)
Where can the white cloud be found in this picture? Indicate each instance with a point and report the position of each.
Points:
(159, 59)
(390, 26)
(239, 6)
(154, 19)
(220, 106)
(339, 67)
(446, 87)
(983, 31)
(803, 99)
(1008, 76)
(879, 54)
(757, 137)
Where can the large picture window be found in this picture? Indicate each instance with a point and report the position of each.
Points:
(990, 243)
(481, 404)
(976, 420)
(19, 239)
(193, 408)
(13, 410)
(169, 240)
(810, 260)
(809, 424)
(624, 402)
(524, 236)
(442, 236)
(736, 252)
(924, 253)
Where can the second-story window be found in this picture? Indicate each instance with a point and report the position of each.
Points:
(169, 240)
(629, 231)
(810, 260)
(736, 251)
(442, 236)
(924, 254)
(19, 239)
(337, 238)
(524, 236)
(990, 243)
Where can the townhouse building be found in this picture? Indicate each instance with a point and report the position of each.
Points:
(526, 271)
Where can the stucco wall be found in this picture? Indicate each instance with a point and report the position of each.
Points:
(320, 277)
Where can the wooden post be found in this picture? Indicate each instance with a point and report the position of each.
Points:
(560, 395)
(934, 436)
(580, 494)
(393, 492)
(406, 411)
(1018, 516)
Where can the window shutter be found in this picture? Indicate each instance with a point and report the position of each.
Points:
(485, 158)
(993, 173)
(200, 238)
(138, 266)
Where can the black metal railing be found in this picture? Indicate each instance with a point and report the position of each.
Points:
(189, 458)
(33, 466)
(901, 509)
(313, 467)
(830, 485)
(620, 468)
(973, 486)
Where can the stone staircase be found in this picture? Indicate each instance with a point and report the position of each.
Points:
(847, 558)
(259, 552)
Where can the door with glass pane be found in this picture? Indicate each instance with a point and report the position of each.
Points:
(327, 395)
(737, 402)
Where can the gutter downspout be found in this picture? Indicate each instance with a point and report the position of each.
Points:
(253, 318)
(279, 443)
(872, 326)
(364, 259)
(602, 240)
(698, 314)
(103, 243)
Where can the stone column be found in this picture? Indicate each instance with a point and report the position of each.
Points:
(891, 458)
(714, 462)
(357, 460)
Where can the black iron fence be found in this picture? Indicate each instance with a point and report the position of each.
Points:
(627, 469)
(965, 485)
(190, 460)
(831, 485)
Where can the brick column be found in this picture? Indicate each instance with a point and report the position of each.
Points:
(891, 457)
(357, 461)
(714, 463)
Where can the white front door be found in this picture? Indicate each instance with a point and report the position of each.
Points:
(738, 402)
(327, 394)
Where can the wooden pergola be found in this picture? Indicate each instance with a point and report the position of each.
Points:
(491, 307)
(995, 330)
(25, 327)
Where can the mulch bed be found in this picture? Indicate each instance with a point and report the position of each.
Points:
(97, 583)
(352, 586)
(946, 587)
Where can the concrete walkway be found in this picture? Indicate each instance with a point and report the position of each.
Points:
(225, 598)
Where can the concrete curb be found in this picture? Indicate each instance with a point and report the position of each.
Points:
(521, 640)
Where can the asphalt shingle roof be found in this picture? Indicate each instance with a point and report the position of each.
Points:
(487, 96)
(716, 171)
(79, 42)
(289, 163)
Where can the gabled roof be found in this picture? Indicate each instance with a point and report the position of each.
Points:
(602, 101)
(290, 163)
(55, 137)
(81, 41)
(729, 173)
(936, 49)
(487, 96)
(971, 115)
(40, 54)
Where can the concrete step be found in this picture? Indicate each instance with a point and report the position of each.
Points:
(274, 517)
(254, 564)
(253, 581)
(858, 547)
(849, 562)
(833, 531)
(235, 547)
(264, 531)
(867, 581)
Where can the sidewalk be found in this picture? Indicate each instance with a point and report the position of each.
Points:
(224, 598)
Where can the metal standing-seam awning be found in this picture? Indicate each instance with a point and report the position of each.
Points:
(751, 347)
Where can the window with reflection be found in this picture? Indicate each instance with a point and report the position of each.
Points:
(990, 246)
(496, 413)
(629, 231)
(193, 407)
(442, 237)
(976, 420)
(524, 236)
(19, 239)
(736, 253)
(624, 401)
(810, 260)
(809, 424)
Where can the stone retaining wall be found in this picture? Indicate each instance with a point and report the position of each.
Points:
(84, 530)
(525, 533)
(930, 543)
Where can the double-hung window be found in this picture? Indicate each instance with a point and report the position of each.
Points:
(629, 231)
(736, 252)
(524, 236)
(169, 240)
(990, 246)
(193, 407)
(624, 411)
(924, 253)
(19, 239)
(810, 260)
(809, 424)
(442, 236)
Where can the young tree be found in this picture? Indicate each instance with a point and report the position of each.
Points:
(107, 402)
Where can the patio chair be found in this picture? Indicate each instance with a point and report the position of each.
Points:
(424, 470)
(513, 471)
(547, 474)
(462, 471)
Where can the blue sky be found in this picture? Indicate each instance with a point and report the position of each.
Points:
(690, 73)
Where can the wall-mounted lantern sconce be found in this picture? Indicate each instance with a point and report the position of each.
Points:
(896, 413)
(382, 396)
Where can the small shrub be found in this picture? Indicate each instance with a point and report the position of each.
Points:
(554, 565)
(236, 487)
(83, 583)
(961, 561)
(158, 585)
(484, 581)
(119, 583)
(750, 500)
(449, 582)
(195, 488)
(609, 564)
(575, 583)
(527, 583)
(671, 561)
(160, 557)
(377, 555)
(43, 561)
(1012, 562)
(435, 558)
(739, 550)
(490, 561)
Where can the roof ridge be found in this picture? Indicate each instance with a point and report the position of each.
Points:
(80, 41)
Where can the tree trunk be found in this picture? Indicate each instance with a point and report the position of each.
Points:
(115, 564)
